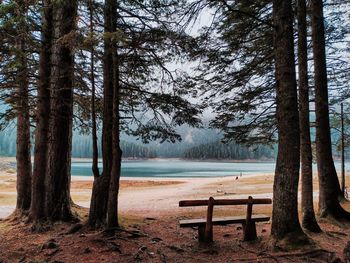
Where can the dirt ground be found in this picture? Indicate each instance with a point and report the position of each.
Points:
(146, 239)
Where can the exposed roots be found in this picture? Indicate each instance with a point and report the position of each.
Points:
(337, 221)
(41, 226)
(291, 242)
(96, 225)
(310, 223)
(18, 216)
(335, 213)
(313, 255)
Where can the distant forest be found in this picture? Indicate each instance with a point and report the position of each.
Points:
(82, 148)
(214, 149)
(218, 150)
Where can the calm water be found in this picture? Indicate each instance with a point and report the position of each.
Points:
(180, 168)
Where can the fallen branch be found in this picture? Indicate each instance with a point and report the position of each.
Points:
(305, 253)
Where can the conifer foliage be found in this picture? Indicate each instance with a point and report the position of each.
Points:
(87, 64)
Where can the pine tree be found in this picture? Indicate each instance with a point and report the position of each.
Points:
(134, 61)
(37, 208)
(51, 176)
(328, 180)
(285, 222)
(308, 214)
(99, 199)
(24, 167)
(57, 204)
(16, 74)
(236, 58)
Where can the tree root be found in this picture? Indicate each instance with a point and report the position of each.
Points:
(276, 257)
(41, 226)
(337, 233)
(17, 216)
(304, 253)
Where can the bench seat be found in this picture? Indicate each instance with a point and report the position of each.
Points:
(205, 225)
(223, 220)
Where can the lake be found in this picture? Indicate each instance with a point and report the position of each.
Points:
(181, 168)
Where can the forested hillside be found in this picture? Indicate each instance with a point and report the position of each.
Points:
(7, 143)
(197, 144)
(232, 151)
(132, 148)
(81, 148)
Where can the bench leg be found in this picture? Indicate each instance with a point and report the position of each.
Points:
(202, 237)
(249, 231)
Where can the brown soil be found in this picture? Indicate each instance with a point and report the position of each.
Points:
(160, 239)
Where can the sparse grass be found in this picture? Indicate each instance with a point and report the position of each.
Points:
(147, 183)
(87, 185)
(81, 212)
(7, 199)
(127, 220)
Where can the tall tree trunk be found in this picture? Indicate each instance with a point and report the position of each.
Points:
(95, 169)
(308, 214)
(97, 215)
(285, 221)
(24, 166)
(342, 147)
(58, 204)
(42, 116)
(328, 180)
(100, 190)
(112, 219)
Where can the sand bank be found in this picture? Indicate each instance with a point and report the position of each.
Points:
(154, 196)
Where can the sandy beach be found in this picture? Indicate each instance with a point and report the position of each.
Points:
(154, 196)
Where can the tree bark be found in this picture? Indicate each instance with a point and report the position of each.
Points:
(58, 204)
(42, 116)
(97, 215)
(285, 221)
(308, 214)
(330, 191)
(24, 166)
(100, 190)
(95, 169)
(112, 218)
(342, 147)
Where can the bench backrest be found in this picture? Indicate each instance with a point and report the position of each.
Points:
(249, 200)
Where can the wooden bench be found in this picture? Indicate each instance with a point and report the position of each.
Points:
(205, 225)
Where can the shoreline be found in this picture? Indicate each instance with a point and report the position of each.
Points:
(12, 159)
(90, 178)
(158, 196)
